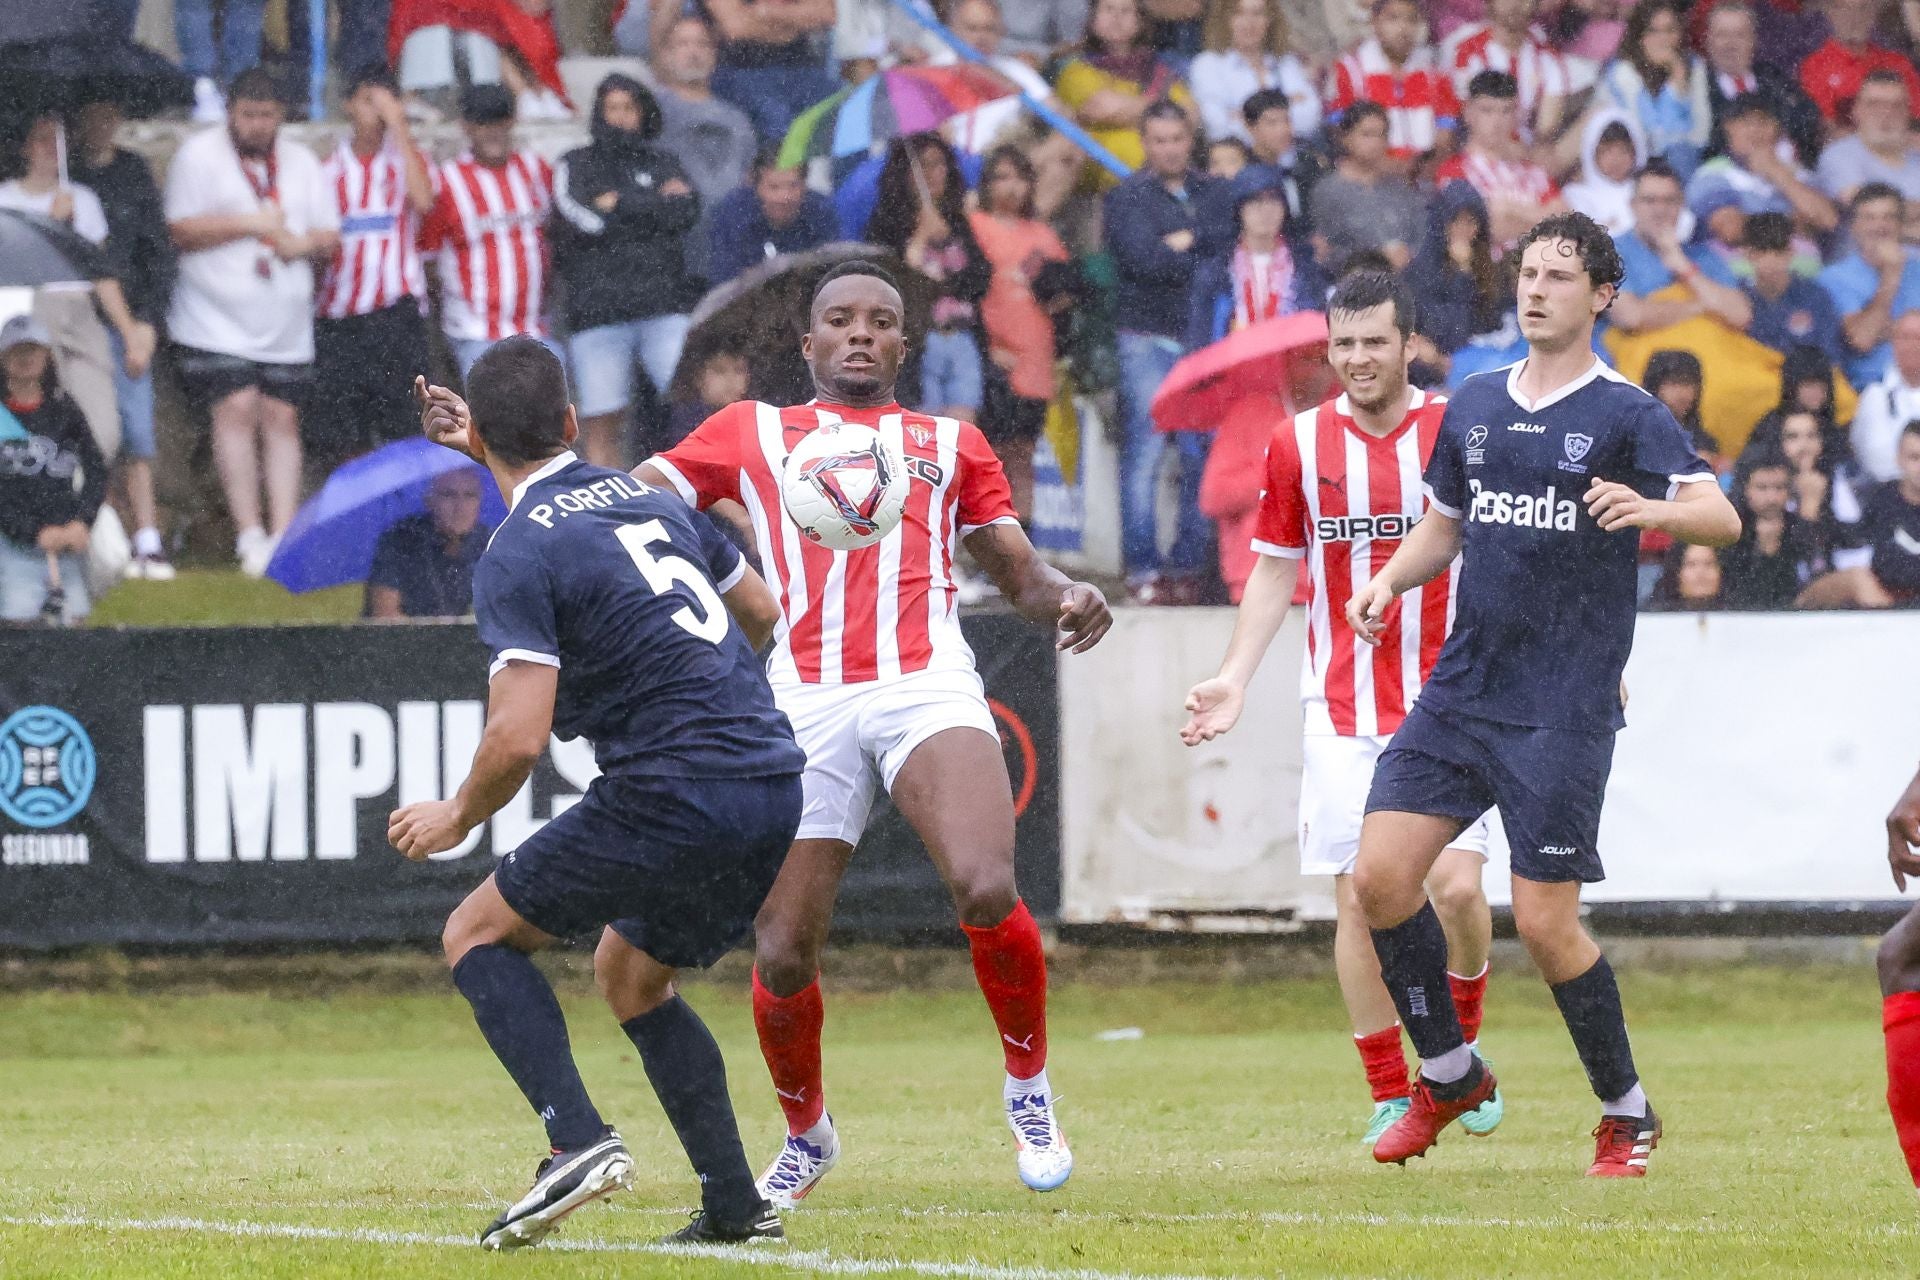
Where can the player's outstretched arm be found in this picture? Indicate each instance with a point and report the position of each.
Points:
(1215, 705)
(1698, 512)
(1039, 592)
(444, 418)
(1431, 547)
(1903, 835)
(753, 607)
(519, 720)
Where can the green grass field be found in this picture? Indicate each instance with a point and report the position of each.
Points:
(350, 1134)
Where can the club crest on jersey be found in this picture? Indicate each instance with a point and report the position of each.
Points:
(922, 436)
(1476, 446)
(824, 472)
(1577, 446)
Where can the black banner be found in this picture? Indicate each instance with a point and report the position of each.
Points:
(232, 786)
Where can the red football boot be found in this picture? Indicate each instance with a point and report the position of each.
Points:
(1420, 1128)
(1622, 1144)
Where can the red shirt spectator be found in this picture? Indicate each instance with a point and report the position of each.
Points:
(1832, 74)
(1403, 76)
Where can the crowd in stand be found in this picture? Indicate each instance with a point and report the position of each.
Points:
(1755, 160)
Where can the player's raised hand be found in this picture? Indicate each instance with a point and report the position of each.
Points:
(424, 829)
(1214, 706)
(444, 417)
(1367, 610)
(1615, 506)
(1903, 836)
(1084, 618)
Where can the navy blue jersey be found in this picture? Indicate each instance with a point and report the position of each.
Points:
(618, 585)
(1545, 607)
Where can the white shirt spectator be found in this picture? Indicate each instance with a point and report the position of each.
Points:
(1885, 409)
(89, 218)
(239, 298)
(1223, 81)
(1847, 164)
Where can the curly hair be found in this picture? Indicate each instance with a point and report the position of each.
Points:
(1591, 242)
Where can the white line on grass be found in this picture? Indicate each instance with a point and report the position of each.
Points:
(812, 1261)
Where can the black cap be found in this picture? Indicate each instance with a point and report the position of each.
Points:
(486, 104)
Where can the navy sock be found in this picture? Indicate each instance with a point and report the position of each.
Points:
(1590, 1004)
(687, 1073)
(1413, 964)
(522, 1022)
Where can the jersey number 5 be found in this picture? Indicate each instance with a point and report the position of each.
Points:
(711, 623)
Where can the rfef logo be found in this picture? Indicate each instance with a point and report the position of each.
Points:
(47, 767)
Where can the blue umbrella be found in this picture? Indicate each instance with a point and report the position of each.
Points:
(332, 538)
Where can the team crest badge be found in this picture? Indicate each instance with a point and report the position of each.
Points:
(921, 436)
(1577, 446)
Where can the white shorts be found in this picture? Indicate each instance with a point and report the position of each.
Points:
(858, 736)
(1336, 773)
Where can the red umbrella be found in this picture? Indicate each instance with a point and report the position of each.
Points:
(1204, 386)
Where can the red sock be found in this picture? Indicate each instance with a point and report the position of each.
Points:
(789, 1028)
(1386, 1063)
(1468, 995)
(1901, 1019)
(1012, 970)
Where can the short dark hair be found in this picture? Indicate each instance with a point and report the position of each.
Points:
(1750, 103)
(1911, 429)
(1493, 84)
(1658, 168)
(765, 159)
(1363, 260)
(1614, 134)
(256, 84)
(1886, 75)
(1870, 191)
(1263, 101)
(373, 76)
(1365, 109)
(1769, 232)
(1164, 109)
(517, 393)
(1591, 244)
(852, 267)
(1364, 290)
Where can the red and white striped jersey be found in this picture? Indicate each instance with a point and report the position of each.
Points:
(378, 261)
(852, 616)
(1494, 178)
(1539, 68)
(1418, 97)
(1342, 500)
(489, 228)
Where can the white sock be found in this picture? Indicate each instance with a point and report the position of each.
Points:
(1018, 1088)
(1631, 1103)
(147, 542)
(821, 1135)
(246, 536)
(1449, 1066)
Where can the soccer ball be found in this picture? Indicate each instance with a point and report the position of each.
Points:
(845, 486)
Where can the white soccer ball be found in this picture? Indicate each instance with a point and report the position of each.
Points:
(845, 486)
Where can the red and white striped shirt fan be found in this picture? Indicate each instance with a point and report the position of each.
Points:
(489, 229)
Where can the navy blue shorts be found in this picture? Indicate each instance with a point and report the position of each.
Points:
(677, 866)
(1547, 783)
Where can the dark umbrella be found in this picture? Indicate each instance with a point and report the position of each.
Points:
(67, 72)
(36, 251)
(762, 313)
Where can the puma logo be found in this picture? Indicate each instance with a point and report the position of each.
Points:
(1338, 486)
(791, 1097)
(1025, 1046)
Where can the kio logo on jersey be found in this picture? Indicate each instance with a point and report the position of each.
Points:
(1476, 446)
(1577, 446)
(1548, 511)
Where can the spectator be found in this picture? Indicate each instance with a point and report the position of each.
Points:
(626, 209)
(1678, 380)
(711, 138)
(213, 64)
(1262, 275)
(1887, 406)
(1114, 80)
(1517, 192)
(1654, 80)
(921, 217)
(1656, 260)
(1786, 31)
(1807, 382)
(1690, 580)
(1397, 73)
(358, 39)
(1881, 147)
(1463, 294)
(1758, 171)
(1880, 566)
(1789, 310)
(771, 56)
(1508, 42)
(1815, 492)
(1588, 30)
(442, 48)
(1151, 219)
(488, 232)
(1040, 31)
(251, 215)
(1365, 203)
(1248, 52)
(775, 215)
(720, 380)
(1268, 117)
(1227, 158)
(143, 250)
(423, 565)
(1875, 284)
(44, 515)
(1612, 151)
(1731, 40)
(1778, 553)
(1032, 282)
(1834, 73)
(982, 25)
(369, 338)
